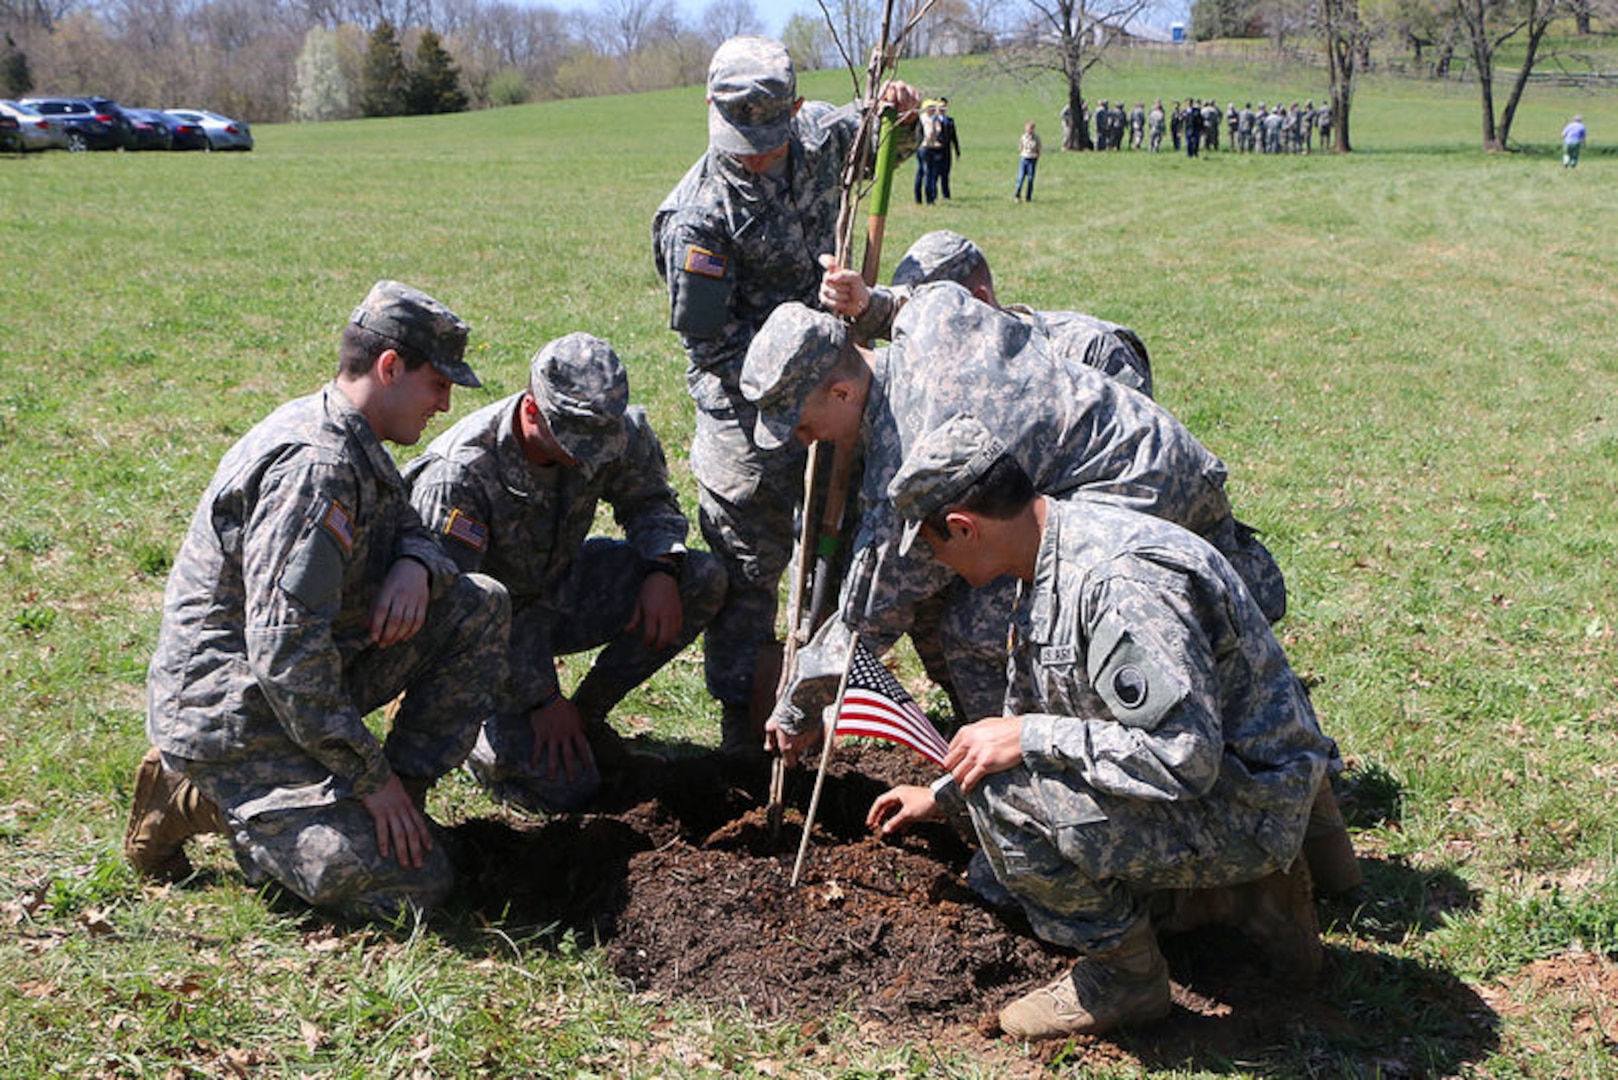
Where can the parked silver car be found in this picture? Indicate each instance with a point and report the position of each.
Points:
(223, 133)
(39, 132)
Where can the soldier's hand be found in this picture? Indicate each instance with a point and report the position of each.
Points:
(559, 743)
(658, 614)
(986, 747)
(401, 828)
(898, 808)
(401, 604)
(842, 291)
(904, 99)
(790, 747)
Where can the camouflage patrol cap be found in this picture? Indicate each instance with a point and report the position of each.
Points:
(581, 386)
(939, 469)
(789, 356)
(421, 324)
(752, 88)
(940, 255)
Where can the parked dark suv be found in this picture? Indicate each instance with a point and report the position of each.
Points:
(88, 127)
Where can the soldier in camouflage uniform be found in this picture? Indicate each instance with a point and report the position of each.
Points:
(1153, 736)
(944, 255)
(511, 491)
(739, 234)
(1077, 431)
(307, 593)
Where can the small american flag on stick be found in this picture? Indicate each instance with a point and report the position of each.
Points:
(876, 706)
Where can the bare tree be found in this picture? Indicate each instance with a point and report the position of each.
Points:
(725, 19)
(1070, 37)
(1345, 38)
(1489, 25)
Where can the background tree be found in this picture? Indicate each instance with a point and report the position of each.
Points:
(321, 91)
(1070, 37)
(809, 42)
(1344, 36)
(15, 76)
(383, 78)
(725, 19)
(434, 82)
(1490, 24)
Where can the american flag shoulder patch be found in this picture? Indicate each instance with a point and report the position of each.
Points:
(474, 534)
(702, 261)
(341, 527)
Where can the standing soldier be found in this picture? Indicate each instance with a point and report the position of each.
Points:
(1210, 124)
(1137, 125)
(1232, 121)
(1156, 122)
(1193, 127)
(512, 491)
(741, 233)
(1323, 121)
(1244, 128)
(1307, 123)
(1176, 125)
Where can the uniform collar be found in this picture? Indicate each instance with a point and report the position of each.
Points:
(346, 416)
(1041, 596)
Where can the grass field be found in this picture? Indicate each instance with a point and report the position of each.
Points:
(1406, 356)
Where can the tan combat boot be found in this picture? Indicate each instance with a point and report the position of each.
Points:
(1278, 914)
(1327, 848)
(168, 810)
(1121, 987)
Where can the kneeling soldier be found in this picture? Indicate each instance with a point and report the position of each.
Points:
(512, 491)
(306, 594)
(1154, 736)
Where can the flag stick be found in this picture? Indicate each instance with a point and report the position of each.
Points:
(825, 759)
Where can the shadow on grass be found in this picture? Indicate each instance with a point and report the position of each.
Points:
(1368, 1015)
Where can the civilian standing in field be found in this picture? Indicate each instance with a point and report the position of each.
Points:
(1028, 148)
(741, 233)
(512, 491)
(949, 146)
(1572, 142)
(308, 593)
(1153, 741)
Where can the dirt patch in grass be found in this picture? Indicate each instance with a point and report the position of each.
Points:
(679, 877)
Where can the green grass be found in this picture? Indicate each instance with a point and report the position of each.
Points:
(1405, 356)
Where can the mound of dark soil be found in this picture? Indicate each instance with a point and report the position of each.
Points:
(677, 874)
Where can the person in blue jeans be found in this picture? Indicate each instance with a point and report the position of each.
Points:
(1028, 149)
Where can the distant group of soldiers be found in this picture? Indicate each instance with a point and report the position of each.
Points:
(1195, 126)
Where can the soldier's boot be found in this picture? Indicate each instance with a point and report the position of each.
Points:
(1123, 986)
(1278, 913)
(1327, 848)
(740, 737)
(166, 812)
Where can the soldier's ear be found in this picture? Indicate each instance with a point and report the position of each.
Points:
(388, 366)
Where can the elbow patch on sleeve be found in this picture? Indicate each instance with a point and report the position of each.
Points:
(313, 575)
(701, 286)
(1136, 685)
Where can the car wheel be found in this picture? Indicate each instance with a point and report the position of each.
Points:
(76, 142)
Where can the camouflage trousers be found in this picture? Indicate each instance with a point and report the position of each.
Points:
(746, 501)
(600, 599)
(959, 635)
(315, 837)
(1081, 862)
